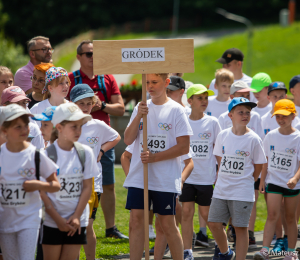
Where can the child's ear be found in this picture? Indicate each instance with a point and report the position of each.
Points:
(167, 82)
(190, 101)
(181, 92)
(230, 115)
(268, 97)
(231, 96)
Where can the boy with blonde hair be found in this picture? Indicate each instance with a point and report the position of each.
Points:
(219, 104)
(168, 138)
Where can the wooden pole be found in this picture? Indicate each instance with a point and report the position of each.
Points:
(145, 147)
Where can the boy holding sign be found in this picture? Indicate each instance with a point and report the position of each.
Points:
(282, 174)
(240, 157)
(198, 188)
(168, 138)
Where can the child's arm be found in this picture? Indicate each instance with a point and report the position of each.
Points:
(219, 158)
(188, 168)
(86, 192)
(263, 176)
(182, 147)
(51, 211)
(131, 131)
(294, 180)
(257, 170)
(107, 146)
(125, 161)
(52, 184)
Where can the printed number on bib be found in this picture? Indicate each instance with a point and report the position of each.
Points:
(281, 162)
(70, 187)
(156, 143)
(200, 149)
(232, 165)
(13, 195)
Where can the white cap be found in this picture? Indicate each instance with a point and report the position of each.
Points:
(70, 112)
(11, 112)
(239, 86)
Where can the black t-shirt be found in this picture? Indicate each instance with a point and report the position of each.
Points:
(32, 102)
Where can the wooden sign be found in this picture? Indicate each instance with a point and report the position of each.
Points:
(143, 56)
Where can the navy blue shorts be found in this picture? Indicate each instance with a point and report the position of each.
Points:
(164, 203)
(108, 167)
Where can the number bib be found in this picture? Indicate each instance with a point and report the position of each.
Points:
(156, 143)
(232, 165)
(13, 195)
(70, 187)
(200, 149)
(280, 161)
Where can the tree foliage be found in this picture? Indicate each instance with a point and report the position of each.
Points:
(60, 20)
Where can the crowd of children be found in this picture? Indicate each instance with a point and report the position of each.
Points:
(219, 152)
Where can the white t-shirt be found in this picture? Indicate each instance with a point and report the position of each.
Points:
(20, 209)
(187, 110)
(70, 177)
(263, 110)
(216, 108)
(239, 154)
(94, 134)
(245, 78)
(40, 107)
(269, 123)
(37, 140)
(283, 152)
(165, 123)
(298, 110)
(254, 123)
(202, 143)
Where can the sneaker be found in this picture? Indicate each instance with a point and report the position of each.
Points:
(263, 254)
(187, 256)
(152, 235)
(285, 243)
(194, 239)
(217, 252)
(274, 240)
(229, 233)
(278, 247)
(252, 243)
(202, 240)
(151, 251)
(291, 256)
(115, 233)
(229, 256)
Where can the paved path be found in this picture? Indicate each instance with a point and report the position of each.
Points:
(207, 253)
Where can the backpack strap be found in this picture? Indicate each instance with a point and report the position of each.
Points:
(37, 164)
(77, 77)
(51, 151)
(81, 153)
(102, 88)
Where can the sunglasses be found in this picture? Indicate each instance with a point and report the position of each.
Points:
(88, 54)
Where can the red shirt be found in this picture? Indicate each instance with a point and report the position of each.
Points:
(111, 89)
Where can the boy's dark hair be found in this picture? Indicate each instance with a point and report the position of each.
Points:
(7, 124)
(79, 48)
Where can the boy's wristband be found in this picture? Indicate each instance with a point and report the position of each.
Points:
(102, 151)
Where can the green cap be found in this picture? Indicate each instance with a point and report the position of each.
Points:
(198, 89)
(259, 81)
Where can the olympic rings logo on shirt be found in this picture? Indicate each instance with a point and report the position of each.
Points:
(26, 172)
(77, 170)
(291, 151)
(204, 135)
(242, 153)
(165, 126)
(92, 140)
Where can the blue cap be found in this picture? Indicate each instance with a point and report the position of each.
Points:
(240, 101)
(81, 91)
(294, 81)
(46, 115)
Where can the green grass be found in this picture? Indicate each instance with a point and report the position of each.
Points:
(107, 247)
(275, 51)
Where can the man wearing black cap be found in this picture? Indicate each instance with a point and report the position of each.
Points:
(232, 59)
(175, 90)
(295, 90)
